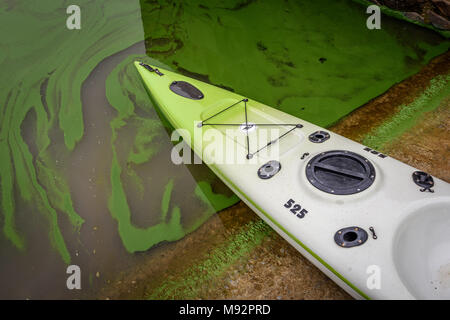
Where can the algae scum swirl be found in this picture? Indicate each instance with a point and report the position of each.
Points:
(85, 171)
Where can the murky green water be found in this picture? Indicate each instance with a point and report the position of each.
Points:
(85, 171)
(314, 59)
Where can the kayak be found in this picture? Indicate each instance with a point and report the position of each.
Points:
(377, 227)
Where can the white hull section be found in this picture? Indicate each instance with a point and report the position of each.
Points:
(386, 206)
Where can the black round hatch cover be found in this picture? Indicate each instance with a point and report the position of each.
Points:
(340, 172)
(185, 89)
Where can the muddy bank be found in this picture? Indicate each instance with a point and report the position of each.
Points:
(434, 12)
(361, 121)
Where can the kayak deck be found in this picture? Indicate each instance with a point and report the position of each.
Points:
(329, 224)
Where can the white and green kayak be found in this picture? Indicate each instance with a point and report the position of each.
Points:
(378, 227)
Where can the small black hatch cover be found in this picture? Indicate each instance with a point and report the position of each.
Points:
(185, 89)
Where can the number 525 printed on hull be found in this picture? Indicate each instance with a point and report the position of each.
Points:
(295, 208)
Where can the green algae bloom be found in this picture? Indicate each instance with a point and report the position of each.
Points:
(84, 155)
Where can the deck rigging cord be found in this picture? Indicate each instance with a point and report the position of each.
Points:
(247, 127)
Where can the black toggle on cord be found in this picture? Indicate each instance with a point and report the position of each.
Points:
(155, 70)
(245, 100)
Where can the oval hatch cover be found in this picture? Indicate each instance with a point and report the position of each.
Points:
(340, 172)
(185, 89)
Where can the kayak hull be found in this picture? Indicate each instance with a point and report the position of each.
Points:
(340, 204)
